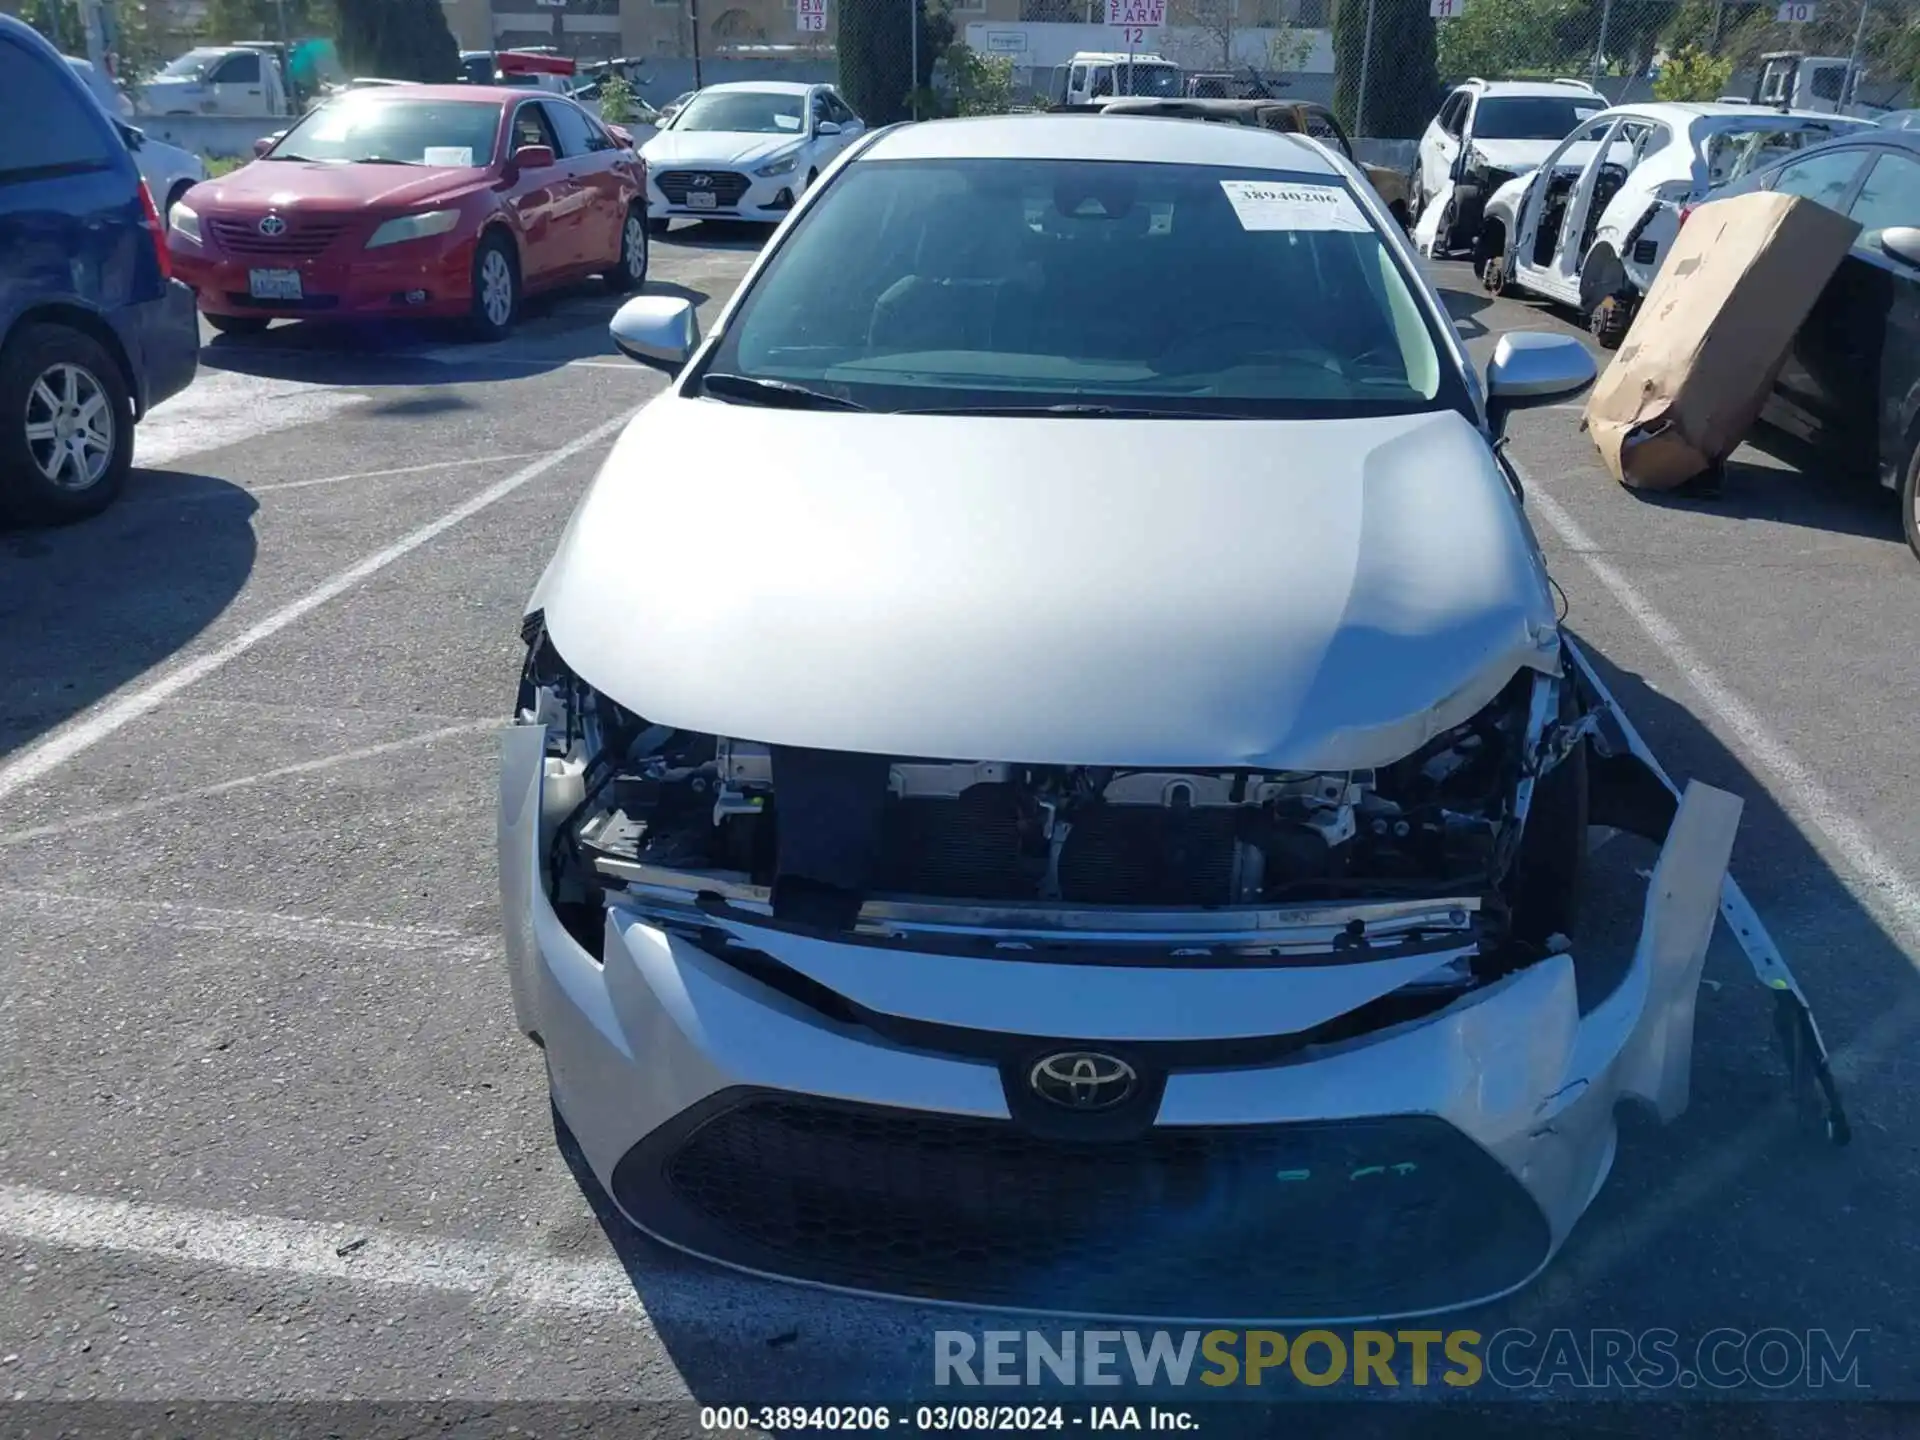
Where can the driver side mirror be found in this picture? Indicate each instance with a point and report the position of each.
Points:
(533, 157)
(1902, 242)
(264, 144)
(133, 137)
(1531, 368)
(659, 331)
(622, 136)
(827, 127)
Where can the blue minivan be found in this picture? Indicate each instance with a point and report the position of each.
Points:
(94, 331)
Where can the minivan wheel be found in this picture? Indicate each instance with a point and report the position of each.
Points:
(66, 425)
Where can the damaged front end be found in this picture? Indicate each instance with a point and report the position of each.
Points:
(1143, 1043)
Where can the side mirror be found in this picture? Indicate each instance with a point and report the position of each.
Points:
(1531, 367)
(827, 127)
(660, 331)
(622, 136)
(264, 144)
(533, 157)
(1902, 242)
(134, 138)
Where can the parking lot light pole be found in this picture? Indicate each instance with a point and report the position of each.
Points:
(1852, 81)
(1366, 59)
(1600, 50)
(913, 24)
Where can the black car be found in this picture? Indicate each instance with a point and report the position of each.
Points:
(1852, 381)
(94, 332)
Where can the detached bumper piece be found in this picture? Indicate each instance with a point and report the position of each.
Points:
(1381, 1215)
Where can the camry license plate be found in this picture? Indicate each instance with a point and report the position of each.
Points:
(701, 200)
(274, 284)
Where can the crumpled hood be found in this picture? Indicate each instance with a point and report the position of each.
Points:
(1274, 594)
(1515, 156)
(290, 186)
(720, 149)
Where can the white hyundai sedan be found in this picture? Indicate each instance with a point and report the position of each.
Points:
(1101, 831)
(745, 151)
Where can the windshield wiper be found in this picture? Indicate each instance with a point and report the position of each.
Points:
(289, 155)
(779, 394)
(383, 160)
(1077, 412)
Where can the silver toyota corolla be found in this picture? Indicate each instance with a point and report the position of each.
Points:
(1047, 775)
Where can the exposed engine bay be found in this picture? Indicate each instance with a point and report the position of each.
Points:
(823, 832)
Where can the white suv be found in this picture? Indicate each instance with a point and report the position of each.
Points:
(1485, 133)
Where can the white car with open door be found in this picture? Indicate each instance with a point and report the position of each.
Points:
(1485, 133)
(745, 151)
(1592, 225)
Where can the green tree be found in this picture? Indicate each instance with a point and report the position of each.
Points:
(59, 22)
(616, 100)
(979, 84)
(1492, 38)
(260, 20)
(398, 40)
(1402, 75)
(876, 55)
(1692, 74)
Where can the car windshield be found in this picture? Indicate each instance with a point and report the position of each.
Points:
(984, 283)
(1147, 79)
(193, 64)
(369, 127)
(753, 112)
(1531, 117)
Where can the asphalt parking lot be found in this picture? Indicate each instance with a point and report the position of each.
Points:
(266, 1131)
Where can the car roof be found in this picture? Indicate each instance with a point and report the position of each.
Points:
(409, 90)
(1151, 139)
(1194, 105)
(1679, 112)
(761, 87)
(1500, 89)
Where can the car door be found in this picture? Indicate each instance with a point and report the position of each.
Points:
(1875, 300)
(1441, 144)
(599, 197)
(1550, 202)
(68, 211)
(537, 198)
(238, 86)
(1810, 394)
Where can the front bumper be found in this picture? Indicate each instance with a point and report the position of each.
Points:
(1409, 1169)
(735, 194)
(431, 278)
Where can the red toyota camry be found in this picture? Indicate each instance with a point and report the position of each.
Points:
(428, 200)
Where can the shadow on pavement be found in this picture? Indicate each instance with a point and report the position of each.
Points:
(554, 329)
(89, 607)
(715, 235)
(1781, 478)
(1737, 1216)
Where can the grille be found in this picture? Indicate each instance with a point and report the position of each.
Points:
(727, 186)
(968, 847)
(1325, 1220)
(301, 237)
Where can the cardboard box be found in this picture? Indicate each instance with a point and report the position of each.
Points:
(1710, 338)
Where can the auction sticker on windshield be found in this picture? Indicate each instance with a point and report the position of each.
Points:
(447, 155)
(1284, 205)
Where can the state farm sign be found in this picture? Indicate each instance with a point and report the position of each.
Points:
(1137, 14)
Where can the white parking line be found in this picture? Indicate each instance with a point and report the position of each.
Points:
(314, 1249)
(93, 726)
(103, 907)
(228, 491)
(180, 797)
(1792, 779)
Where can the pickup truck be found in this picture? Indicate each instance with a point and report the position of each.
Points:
(220, 80)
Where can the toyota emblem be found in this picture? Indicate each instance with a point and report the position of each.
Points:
(1083, 1080)
(273, 225)
(703, 182)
